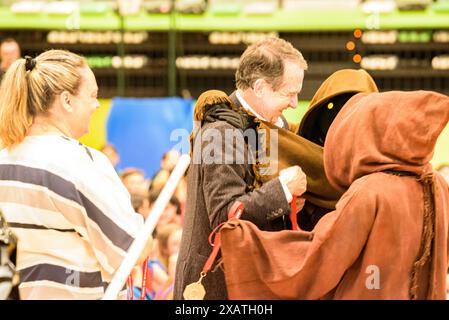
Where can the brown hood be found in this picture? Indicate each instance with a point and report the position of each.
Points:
(340, 82)
(379, 131)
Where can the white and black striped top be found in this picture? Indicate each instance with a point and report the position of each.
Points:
(72, 216)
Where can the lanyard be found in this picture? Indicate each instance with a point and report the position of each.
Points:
(143, 288)
(293, 217)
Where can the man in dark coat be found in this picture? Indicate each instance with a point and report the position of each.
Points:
(268, 79)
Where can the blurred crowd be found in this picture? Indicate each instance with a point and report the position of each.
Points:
(168, 231)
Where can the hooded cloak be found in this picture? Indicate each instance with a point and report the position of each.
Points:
(387, 238)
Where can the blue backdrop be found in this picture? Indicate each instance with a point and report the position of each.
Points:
(143, 129)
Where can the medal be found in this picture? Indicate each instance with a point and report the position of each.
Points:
(195, 291)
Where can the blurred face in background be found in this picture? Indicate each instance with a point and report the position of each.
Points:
(174, 242)
(9, 52)
(169, 215)
(144, 209)
(135, 183)
(170, 160)
(112, 155)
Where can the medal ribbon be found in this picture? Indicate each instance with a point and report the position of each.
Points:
(293, 217)
(143, 288)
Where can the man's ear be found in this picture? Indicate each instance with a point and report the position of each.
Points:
(258, 87)
(65, 98)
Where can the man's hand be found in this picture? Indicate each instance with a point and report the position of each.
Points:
(295, 179)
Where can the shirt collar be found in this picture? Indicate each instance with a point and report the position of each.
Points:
(246, 106)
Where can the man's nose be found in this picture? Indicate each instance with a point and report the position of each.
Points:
(294, 102)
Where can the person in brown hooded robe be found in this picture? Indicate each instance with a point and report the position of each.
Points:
(387, 238)
(327, 102)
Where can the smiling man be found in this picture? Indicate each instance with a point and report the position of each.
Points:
(268, 80)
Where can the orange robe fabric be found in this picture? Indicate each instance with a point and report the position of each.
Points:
(373, 246)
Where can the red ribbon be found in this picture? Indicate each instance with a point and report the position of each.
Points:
(143, 288)
(235, 212)
(293, 216)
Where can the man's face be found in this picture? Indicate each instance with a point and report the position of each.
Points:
(274, 102)
(9, 52)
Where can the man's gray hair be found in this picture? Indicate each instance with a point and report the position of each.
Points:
(265, 60)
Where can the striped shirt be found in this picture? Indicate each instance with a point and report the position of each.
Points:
(72, 216)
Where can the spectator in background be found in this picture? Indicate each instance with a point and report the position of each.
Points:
(160, 178)
(134, 181)
(443, 169)
(171, 214)
(141, 204)
(168, 163)
(162, 262)
(170, 159)
(161, 266)
(111, 152)
(169, 242)
(9, 52)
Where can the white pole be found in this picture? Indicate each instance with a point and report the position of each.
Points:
(141, 240)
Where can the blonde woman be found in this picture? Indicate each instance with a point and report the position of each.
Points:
(64, 201)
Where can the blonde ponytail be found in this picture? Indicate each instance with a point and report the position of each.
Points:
(28, 91)
(15, 118)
